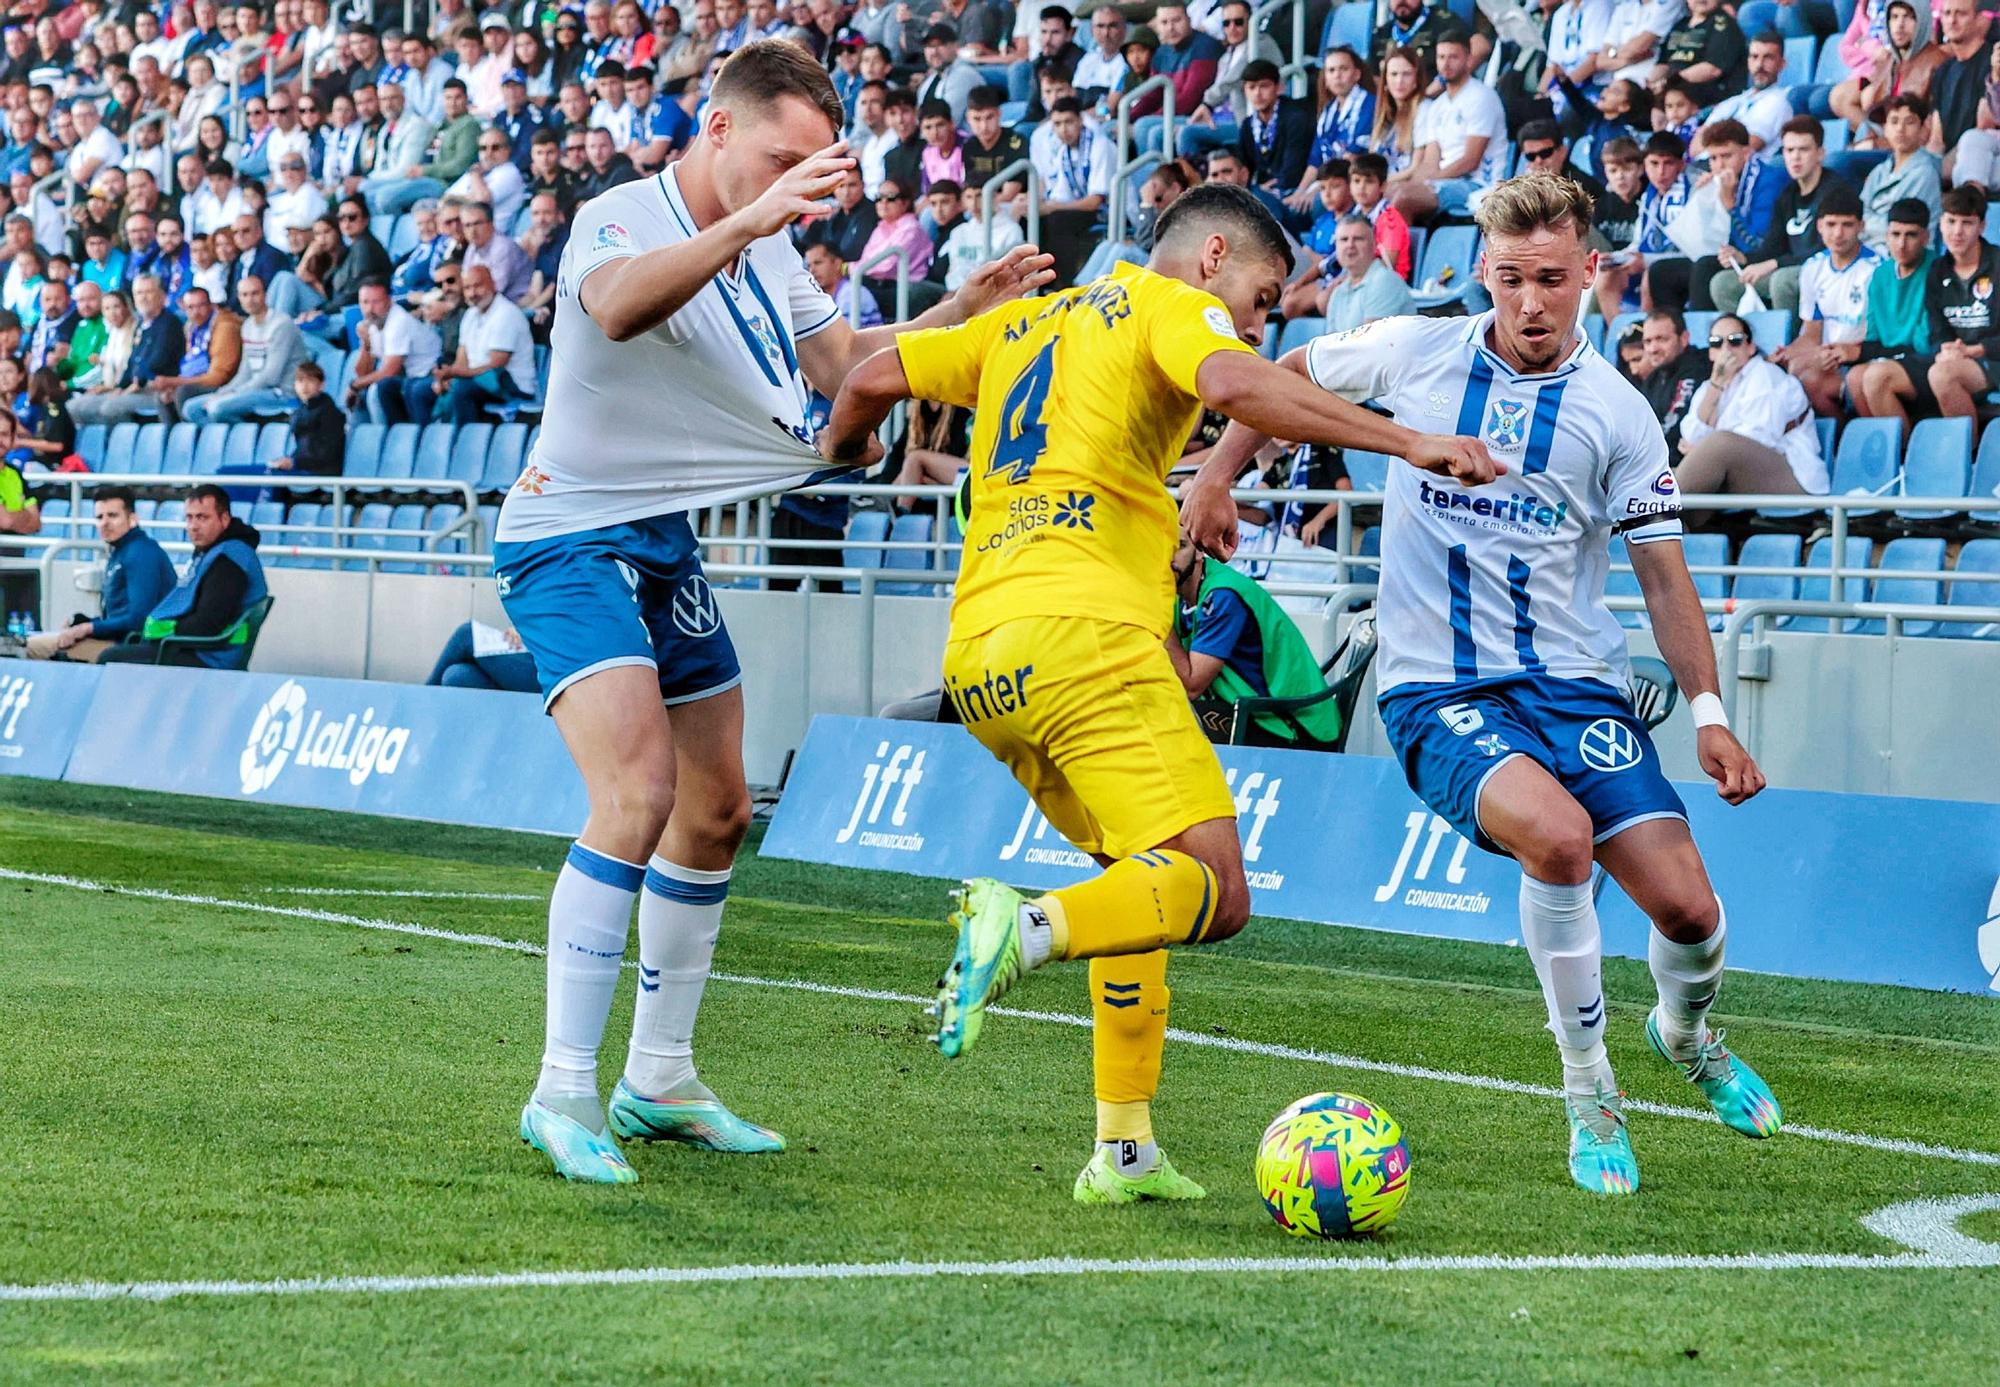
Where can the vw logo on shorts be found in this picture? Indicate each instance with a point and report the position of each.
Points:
(1610, 745)
(695, 612)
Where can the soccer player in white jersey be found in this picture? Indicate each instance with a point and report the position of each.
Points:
(1502, 673)
(687, 341)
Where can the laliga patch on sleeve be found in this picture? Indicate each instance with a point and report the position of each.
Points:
(612, 236)
(1218, 319)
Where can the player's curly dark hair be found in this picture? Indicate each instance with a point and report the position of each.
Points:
(1224, 207)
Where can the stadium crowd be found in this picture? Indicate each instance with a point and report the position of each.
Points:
(310, 212)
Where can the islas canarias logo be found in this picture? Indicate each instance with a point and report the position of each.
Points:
(290, 731)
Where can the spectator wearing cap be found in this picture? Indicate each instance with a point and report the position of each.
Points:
(1214, 122)
(398, 352)
(493, 180)
(664, 127)
(261, 385)
(295, 200)
(1910, 171)
(495, 362)
(423, 78)
(488, 248)
(483, 82)
(948, 77)
(520, 120)
(1461, 137)
(1275, 136)
(1899, 335)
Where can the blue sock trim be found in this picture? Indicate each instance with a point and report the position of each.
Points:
(686, 892)
(625, 876)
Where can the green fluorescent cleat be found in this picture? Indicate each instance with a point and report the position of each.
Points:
(1739, 1096)
(1100, 1183)
(696, 1121)
(986, 963)
(1600, 1154)
(577, 1152)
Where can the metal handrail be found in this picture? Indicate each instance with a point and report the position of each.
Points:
(77, 483)
(1295, 71)
(1122, 175)
(1033, 179)
(858, 272)
(1745, 615)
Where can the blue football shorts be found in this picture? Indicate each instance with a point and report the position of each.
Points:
(1452, 737)
(630, 594)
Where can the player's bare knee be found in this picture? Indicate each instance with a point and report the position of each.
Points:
(1687, 917)
(641, 800)
(1232, 908)
(721, 821)
(1562, 852)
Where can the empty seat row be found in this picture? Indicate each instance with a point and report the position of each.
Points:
(181, 449)
(487, 456)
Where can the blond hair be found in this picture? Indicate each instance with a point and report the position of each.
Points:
(1534, 201)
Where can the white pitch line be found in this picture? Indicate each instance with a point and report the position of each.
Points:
(1265, 1049)
(416, 895)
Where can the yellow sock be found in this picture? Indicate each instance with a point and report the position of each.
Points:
(1128, 1003)
(1136, 905)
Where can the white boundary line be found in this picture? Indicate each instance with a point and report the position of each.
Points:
(417, 895)
(1897, 1145)
(1926, 1225)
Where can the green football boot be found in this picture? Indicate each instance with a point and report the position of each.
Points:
(576, 1152)
(1739, 1096)
(1600, 1154)
(702, 1122)
(1100, 1183)
(985, 964)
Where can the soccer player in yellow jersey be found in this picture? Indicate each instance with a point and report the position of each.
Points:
(1056, 659)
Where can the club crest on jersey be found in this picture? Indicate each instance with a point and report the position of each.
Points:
(1506, 424)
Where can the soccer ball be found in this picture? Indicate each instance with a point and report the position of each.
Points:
(1333, 1165)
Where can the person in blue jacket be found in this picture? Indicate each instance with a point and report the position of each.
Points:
(137, 575)
(225, 580)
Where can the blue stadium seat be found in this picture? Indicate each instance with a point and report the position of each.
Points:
(1770, 329)
(268, 517)
(1827, 428)
(1918, 555)
(363, 454)
(1453, 248)
(468, 453)
(376, 515)
(908, 529)
(1865, 463)
(90, 441)
(1975, 556)
(1617, 584)
(274, 441)
(1766, 551)
(865, 532)
(1829, 68)
(239, 447)
(504, 457)
(118, 446)
(409, 520)
(55, 515)
(1992, 232)
(1698, 323)
(209, 443)
(146, 510)
(340, 373)
(296, 517)
(402, 237)
(1352, 24)
(1937, 463)
(1800, 55)
(1835, 134)
(1369, 546)
(513, 409)
(168, 521)
(443, 517)
(1593, 328)
(1419, 235)
(1820, 556)
(433, 459)
(179, 453)
(1986, 475)
(149, 450)
(489, 515)
(399, 451)
(1368, 471)
(1708, 550)
(1296, 332)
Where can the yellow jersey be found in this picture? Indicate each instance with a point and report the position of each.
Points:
(1083, 402)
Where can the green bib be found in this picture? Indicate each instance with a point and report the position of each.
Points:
(1288, 666)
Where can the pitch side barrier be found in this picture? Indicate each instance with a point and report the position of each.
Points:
(1848, 887)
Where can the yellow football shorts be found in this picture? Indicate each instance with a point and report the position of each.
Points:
(1090, 718)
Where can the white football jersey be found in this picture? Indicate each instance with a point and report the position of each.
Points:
(1837, 298)
(1484, 581)
(708, 407)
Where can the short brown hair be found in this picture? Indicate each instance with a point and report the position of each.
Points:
(760, 72)
(1724, 132)
(1804, 125)
(1625, 150)
(1535, 200)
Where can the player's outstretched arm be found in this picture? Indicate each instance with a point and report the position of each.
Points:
(828, 356)
(870, 391)
(1681, 629)
(1265, 401)
(630, 297)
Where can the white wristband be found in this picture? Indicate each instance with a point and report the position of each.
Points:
(1707, 710)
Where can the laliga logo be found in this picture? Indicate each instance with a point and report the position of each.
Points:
(1989, 938)
(283, 735)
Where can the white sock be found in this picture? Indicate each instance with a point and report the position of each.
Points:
(680, 916)
(1037, 936)
(1687, 976)
(589, 916)
(1132, 1158)
(1559, 926)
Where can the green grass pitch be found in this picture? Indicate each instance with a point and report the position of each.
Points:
(199, 1092)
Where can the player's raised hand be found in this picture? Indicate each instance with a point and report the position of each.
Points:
(1208, 517)
(870, 454)
(1463, 458)
(1020, 271)
(1723, 758)
(799, 190)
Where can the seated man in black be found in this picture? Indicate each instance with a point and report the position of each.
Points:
(224, 581)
